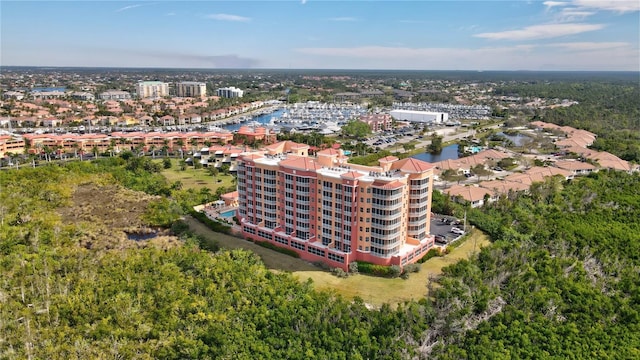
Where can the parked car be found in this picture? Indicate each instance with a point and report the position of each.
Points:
(441, 239)
(456, 230)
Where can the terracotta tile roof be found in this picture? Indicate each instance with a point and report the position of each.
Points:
(391, 185)
(573, 165)
(351, 175)
(548, 171)
(388, 159)
(230, 196)
(412, 165)
(252, 156)
(469, 193)
(502, 186)
(330, 151)
(300, 163)
(527, 179)
(609, 161)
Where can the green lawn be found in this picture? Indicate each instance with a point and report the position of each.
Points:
(376, 290)
(195, 178)
(373, 290)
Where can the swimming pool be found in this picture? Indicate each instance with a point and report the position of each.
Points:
(228, 214)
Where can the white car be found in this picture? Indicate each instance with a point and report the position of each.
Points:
(458, 231)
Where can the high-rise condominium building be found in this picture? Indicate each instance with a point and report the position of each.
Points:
(229, 92)
(152, 89)
(191, 89)
(328, 210)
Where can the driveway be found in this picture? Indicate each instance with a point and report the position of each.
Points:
(441, 228)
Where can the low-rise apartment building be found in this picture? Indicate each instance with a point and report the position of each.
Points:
(377, 122)
(11, 145)
(328, 210)
(114, 95)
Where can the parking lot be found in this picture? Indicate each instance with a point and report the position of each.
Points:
(438, 227)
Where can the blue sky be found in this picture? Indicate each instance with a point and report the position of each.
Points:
(422, 35)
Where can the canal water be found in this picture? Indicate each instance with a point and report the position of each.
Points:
(262, 119)
(448, 153)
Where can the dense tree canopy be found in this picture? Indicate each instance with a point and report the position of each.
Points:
(356, 129)
(609, 109)
(560, 280)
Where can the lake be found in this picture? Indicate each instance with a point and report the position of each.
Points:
(448, 153)
(518, 140)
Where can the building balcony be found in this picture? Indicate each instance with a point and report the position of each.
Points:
(394, 234)
(387, 197)
(423, 196)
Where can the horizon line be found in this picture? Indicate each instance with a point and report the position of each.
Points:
(298, 69)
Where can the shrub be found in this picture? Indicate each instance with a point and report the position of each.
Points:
(395, 271)
(353, 267)
(213, 225)
(378, 270)
(339, 273)
(430, 254)
(412, 268)
(405, 275)
(179, 227)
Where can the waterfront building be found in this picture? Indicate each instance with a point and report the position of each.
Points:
(420, 116)
(191, 89)
(152, 89)
(328, 210)
(229, 92)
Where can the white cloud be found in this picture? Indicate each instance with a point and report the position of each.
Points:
(170, 14)
(550, 4)
(545, 31)
(128, 7)
(621, 6)
(343, 18)
(228, 17)
(575, 14)
(303, 2)
(590, 46)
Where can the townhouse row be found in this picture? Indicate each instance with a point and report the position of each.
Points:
(117, 141)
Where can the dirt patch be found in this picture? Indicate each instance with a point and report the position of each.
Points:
(104, 215)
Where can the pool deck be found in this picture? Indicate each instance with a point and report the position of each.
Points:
(214, 211)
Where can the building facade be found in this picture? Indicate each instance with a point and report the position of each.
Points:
(229, 92)
(115, 95)
(328, 210)
(420, 116)
(191, 89)
(377, 122)
(152, 89)
(11, 145)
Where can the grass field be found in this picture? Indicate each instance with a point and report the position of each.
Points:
(377, 290)
(272, 259)
(373, 290)
(195, 178)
